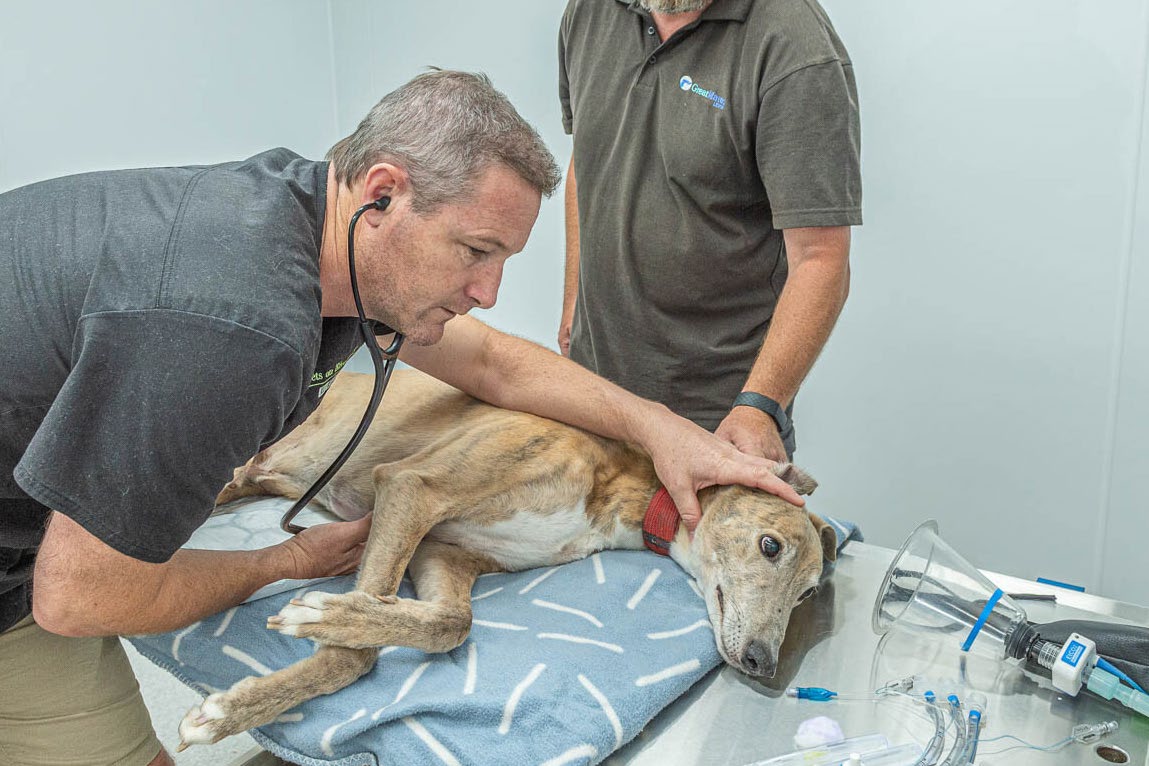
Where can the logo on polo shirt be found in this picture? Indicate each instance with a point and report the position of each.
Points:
(687, 83)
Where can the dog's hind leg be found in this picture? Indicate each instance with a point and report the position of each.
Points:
(255, 701)
(404, 512)
(438, 621)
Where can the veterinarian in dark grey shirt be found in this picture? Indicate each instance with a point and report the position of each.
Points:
(161, 327)
(158, 327)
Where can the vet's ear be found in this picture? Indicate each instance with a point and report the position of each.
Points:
(802, 482)
(826, 535)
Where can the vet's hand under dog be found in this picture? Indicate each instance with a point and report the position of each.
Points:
(327, 550)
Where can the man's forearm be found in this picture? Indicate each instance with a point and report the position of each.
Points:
(80, 590)
(815, 292)
(570, 274)
(517, 374)
(199, 583)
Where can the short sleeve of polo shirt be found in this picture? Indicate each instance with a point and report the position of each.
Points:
(808, 147)
(158, 409)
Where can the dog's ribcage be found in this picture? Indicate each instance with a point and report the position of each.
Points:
(534, 538)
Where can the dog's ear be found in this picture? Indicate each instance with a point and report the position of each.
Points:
(247, 480)
(826, 535)
(802, 482)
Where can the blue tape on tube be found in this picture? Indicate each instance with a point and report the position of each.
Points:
(981, 618)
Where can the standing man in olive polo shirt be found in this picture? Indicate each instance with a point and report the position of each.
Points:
(716, 151)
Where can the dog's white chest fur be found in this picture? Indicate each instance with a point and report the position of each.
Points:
(535, 538)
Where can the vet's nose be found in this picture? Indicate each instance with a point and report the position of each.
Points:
(484, 289)
(759, 660)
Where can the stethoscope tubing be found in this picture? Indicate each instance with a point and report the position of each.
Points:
(384, 362)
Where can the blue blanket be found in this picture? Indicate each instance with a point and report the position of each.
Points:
(563, 665)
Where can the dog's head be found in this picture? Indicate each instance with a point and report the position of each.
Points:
(756, 557)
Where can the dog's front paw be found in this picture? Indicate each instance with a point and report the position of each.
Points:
(340, 619)
(300, 612)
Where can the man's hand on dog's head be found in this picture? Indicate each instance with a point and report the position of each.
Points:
(753, 432)
(326, 550)
(688, 458)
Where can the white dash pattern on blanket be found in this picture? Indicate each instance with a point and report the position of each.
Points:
(599, 575)
(574, 754)
(516, 695)
(580, 640)
(472, 667)
(529, 586)
(180, 637)
(674, 670)
(643, 589)
(498, 625)
(325, 742)
(246, 659)
(429, 740)
(482, 596)
(226, 621)
(404, 689)
(569, 610)
(680, 631)
(607, 708)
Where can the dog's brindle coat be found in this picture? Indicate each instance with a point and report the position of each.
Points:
(460, 488)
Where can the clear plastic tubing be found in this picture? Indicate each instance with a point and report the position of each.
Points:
(975, 703)
(900, 755)
(957, 715)
(937, 743)
(831, 754)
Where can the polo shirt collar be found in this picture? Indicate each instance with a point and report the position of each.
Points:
(719, 10)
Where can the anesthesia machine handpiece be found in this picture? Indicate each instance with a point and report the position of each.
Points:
(931, 589)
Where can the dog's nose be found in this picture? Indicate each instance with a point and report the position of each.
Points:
(758, 660)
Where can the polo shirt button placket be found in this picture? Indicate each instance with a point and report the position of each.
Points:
(650, 30)
(651, 60)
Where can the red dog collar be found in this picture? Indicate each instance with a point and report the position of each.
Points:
(660, 525)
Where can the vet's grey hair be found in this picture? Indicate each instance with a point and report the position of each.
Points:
(445, 129)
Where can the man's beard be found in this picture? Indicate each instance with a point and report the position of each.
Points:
(674, 6)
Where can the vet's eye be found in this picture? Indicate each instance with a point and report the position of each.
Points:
(769, 546)
(807, 594)
(477, 252)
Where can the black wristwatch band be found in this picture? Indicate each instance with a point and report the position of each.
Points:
(767, 405)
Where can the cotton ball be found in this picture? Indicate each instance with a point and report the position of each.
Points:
(818, 731)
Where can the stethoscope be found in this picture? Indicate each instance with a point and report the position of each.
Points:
(383, 370)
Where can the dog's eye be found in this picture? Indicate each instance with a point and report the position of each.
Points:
(806, 594)
(769, 546)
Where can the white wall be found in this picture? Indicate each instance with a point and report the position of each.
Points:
(90, 86)
(975, 374)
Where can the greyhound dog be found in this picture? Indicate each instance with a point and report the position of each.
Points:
(460, 488)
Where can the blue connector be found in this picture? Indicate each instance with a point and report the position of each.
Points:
(1106, 665)
(815, 693)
